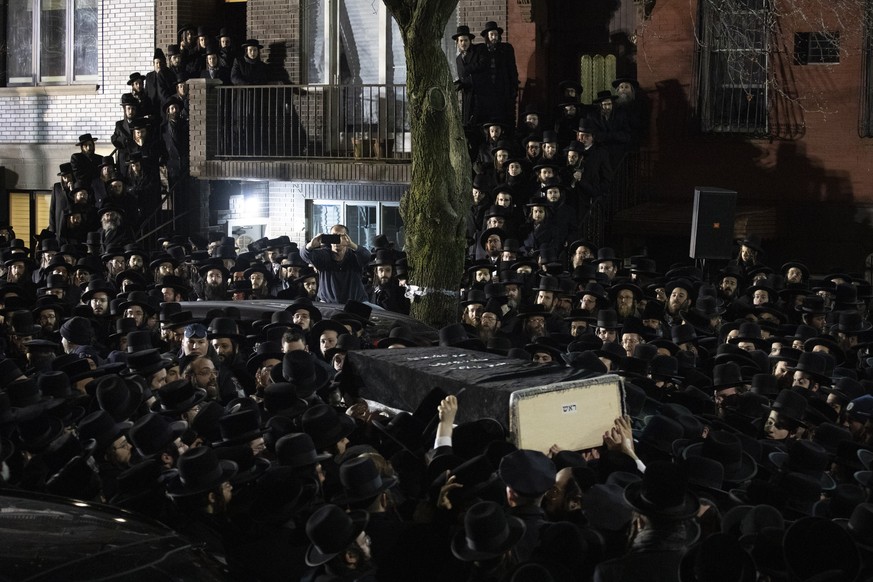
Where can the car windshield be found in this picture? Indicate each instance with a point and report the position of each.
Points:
(45, 540)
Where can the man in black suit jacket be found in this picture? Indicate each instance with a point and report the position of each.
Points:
(86, 163)
(214, 69)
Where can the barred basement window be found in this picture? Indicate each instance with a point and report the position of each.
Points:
(816, 48)
(733, 66)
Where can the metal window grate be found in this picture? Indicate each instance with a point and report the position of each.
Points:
(733, 66)
(816, 48)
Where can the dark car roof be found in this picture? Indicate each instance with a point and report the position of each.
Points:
(52, 538)
(382, 320)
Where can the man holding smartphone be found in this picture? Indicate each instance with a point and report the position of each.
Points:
(340, 264)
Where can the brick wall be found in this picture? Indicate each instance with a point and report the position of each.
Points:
(475, 13)
(36, 120)
(287, 211)
(276, 24)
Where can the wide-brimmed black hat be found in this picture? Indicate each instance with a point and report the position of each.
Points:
(607, 319)
(331, 530)
(177, 398)
(140, 298)
(362, 481)
(147, 362)
(251, 42)
(85, 138)
(297, 450)
(663, 493)
(455, 335)
(463, 30)
(223, 327)
(239, 427)
(818, 365)
(300, 368)
(325, 426)
(151, 433)
(265, 351)
(806, 457)
(489, 26)
(305, 304)
(399, 335)
(119, 397)
(101, 427)
(488, 533)
(727, 449)
(200, 470)
(790, 404)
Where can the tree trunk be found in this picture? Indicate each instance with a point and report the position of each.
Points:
(433, 207)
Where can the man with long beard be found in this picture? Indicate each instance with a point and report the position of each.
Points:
(678, 299)
(625, 297)
(214, 283)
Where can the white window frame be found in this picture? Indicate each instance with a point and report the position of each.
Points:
(69, 77)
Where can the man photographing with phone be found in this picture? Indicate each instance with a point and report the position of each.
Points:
(340, 264)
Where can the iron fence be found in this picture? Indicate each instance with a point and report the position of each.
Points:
(313, 121)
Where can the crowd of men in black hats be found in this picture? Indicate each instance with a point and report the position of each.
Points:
(746, 449)
(110, 199)
(537, 181)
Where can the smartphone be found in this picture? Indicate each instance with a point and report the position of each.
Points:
(330, 239)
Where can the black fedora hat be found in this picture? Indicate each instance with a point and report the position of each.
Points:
(177, 398)
(488, 532)
(362, 481)
(268, 350)
(306, 305)
(663, 493)
(297, 450)
(239, 427)
(119, 397)
(727, 375)
(455, 335)
(790, 404)
(607, 319)
(805, 457)
(399, 335)
(727, 449)
(101, 427)
(330, 531)
(147, 362)
(300, 368)
(200, 470)
(489, 26)
(151, 433)
(816, 364)
(325, 426)
(463, 30)
(223, 327)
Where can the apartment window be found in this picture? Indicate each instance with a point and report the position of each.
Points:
(352, 42)
(816, 48)
(364, 219)
(733, 66)
(51, 42)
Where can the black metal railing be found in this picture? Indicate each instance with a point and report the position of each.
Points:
(313, 121)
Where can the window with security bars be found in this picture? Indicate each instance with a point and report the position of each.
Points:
(816, 48)
(733, 66)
